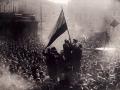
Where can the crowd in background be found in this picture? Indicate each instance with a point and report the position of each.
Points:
(22, 59)
(71, 69)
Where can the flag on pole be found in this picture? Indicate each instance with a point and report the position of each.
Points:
(114, 23)
(60, 28)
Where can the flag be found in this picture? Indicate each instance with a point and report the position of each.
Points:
(114, 23)
(60, 28)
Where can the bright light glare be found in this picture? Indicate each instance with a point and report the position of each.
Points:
(106, 49)
(60, 1)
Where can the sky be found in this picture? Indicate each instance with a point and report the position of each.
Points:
(84, 17)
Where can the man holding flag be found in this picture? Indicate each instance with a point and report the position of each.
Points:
(60, 28)
(69, 51)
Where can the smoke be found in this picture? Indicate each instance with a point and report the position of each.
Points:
(10, 81)
(89, 14)
(95, 16)
(84, 18)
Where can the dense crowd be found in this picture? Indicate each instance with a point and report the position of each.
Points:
(71, 69)
(25, 59)
(74, 69)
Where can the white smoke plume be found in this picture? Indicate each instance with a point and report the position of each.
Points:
(10, 81)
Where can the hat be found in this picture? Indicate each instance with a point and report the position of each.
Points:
(66, 41)
(75, 40)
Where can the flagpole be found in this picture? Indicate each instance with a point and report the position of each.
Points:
(67, 29)
(60, 28)
(69, 36)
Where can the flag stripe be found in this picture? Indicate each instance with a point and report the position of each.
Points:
(59, 29)
(61, 20)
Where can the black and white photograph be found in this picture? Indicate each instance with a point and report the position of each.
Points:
(59, 44)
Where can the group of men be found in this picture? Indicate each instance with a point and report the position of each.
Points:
(66, 63)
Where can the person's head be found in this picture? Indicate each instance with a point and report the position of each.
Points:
(66, 41)
(48, 49)
(75, 41)
(41, 73)
(53, 49)
(80, 46)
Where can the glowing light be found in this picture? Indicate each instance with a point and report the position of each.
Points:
(106, 49)
(60, 1)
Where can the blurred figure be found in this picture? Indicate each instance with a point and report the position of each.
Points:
(51, 61)
(76, 55)
(61, 65)
(72, 54)
(67, 53)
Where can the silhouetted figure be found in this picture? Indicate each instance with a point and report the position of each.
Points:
(51, 62)
(67, 54)
(76, 55)
(61, 65)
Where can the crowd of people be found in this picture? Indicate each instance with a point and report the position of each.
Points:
(25, 59)
(68, 70)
